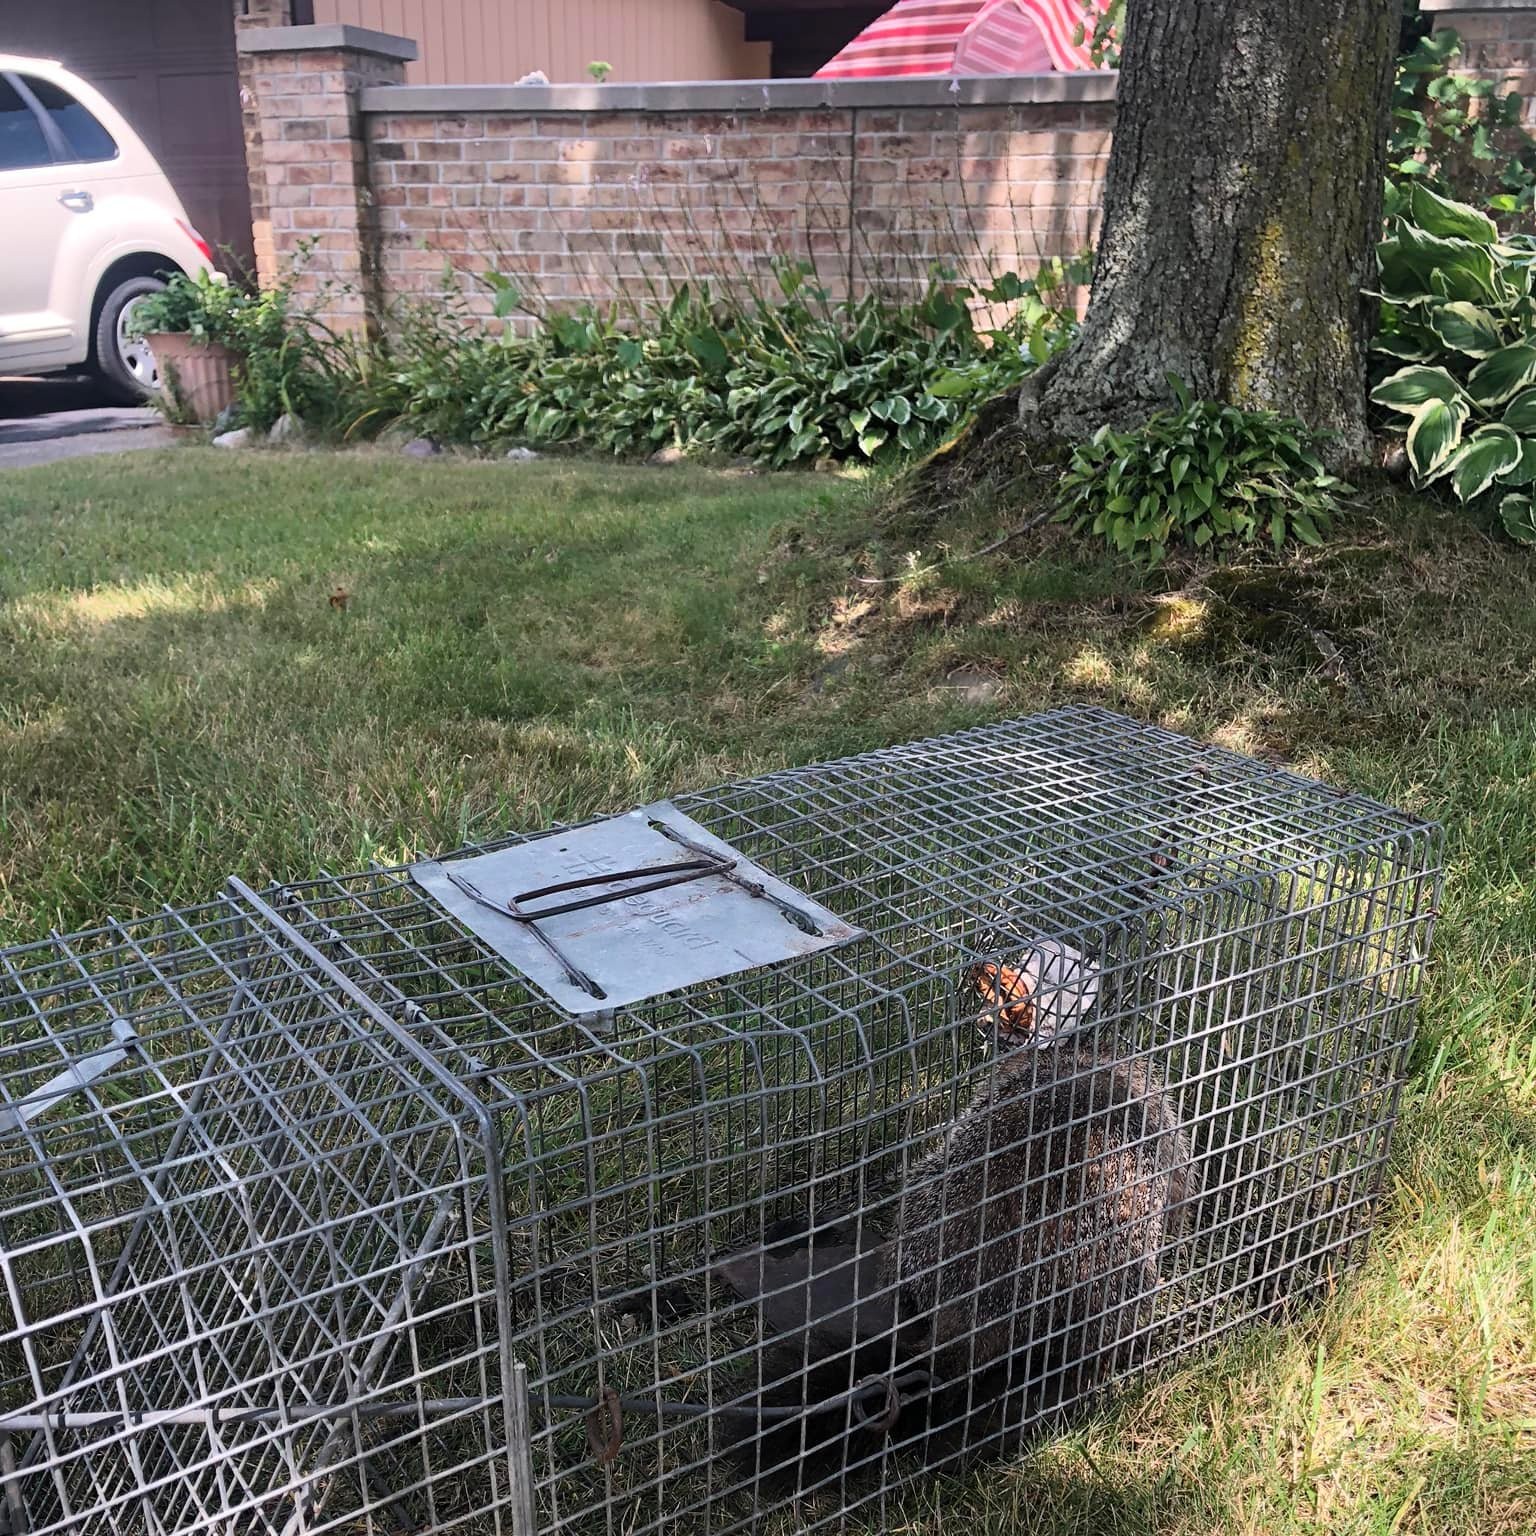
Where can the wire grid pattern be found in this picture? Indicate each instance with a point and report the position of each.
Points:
(217, 1254)
(287, 1267)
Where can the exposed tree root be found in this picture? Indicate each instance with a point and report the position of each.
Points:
(988, 463)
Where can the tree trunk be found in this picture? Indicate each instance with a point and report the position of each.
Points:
(1242, 206)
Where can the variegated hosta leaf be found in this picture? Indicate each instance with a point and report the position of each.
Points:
(1399, 278)
(1450, 220)
(1502, 376)
(1518, 515)
(1408, 389)
(1520, 414)
(1434, 434)
(1455, 269)
(1523, 473)
(1481, 459)
(1406, 348)
(1466, 328)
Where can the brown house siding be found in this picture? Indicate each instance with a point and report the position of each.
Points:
(499, 41)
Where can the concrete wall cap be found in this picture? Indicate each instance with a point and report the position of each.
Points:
(742, 95)
(326, 38)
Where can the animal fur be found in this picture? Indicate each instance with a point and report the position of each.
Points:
(1020, 1275)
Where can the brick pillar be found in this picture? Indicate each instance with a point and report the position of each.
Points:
(249, 14)
(313, 158)
(1498, 42)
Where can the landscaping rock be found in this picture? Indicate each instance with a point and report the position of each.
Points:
(286, 429)
(226, 419)
(523, 455)
(422, 448)
(667, 456)
(241, 437)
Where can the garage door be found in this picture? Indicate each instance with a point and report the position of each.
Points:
(169, 68)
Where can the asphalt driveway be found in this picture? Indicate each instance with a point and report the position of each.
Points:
(46, 419)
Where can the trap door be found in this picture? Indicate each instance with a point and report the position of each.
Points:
(215, 1316)
(605, 915)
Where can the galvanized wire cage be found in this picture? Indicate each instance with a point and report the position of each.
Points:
(319, 1213)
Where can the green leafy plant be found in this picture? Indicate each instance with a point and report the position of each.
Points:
(286, 360)
(870, 378)
(205, 307)
(1101, 28)
(1459, 310)
(784, 377)
(1457, 134)
(280, 369)
(1203, 473)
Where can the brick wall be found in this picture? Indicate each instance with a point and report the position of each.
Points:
(597, 192)
(1498, 41)
(590, 205)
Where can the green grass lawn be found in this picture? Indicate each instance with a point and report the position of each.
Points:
(215, 664)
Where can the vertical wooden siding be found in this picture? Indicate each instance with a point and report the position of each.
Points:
(494, 42)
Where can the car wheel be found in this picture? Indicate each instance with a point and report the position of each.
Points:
(125, 362)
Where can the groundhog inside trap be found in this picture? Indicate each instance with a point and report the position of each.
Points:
(1017, 1274)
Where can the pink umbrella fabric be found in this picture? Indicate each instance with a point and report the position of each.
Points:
(967, 37)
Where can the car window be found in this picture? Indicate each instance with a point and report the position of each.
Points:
(22, 144)
(84, 135)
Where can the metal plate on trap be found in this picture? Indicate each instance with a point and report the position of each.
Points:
(724, 915)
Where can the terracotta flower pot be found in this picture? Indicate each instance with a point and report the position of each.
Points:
(198, 374)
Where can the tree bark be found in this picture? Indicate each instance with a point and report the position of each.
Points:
(1242, 207)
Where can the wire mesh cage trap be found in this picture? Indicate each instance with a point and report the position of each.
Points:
(722, 1166)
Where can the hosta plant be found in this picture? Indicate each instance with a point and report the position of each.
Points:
(1459, 310)
(784, 377)
(1200, 474)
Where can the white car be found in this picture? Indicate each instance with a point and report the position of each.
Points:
(88, 224)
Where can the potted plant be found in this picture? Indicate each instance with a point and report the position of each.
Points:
(189, 325)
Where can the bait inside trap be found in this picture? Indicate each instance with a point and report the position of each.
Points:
(725, 1165)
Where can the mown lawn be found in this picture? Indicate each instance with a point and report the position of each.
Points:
(223, 663)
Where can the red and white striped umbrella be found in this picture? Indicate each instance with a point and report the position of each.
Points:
(968, 37)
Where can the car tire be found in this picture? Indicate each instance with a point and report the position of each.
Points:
(125, 365)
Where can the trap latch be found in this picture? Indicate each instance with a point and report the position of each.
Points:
(77, 1076)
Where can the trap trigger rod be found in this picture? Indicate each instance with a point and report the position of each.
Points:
(573, 973)
(676, 874)
(727, 867)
